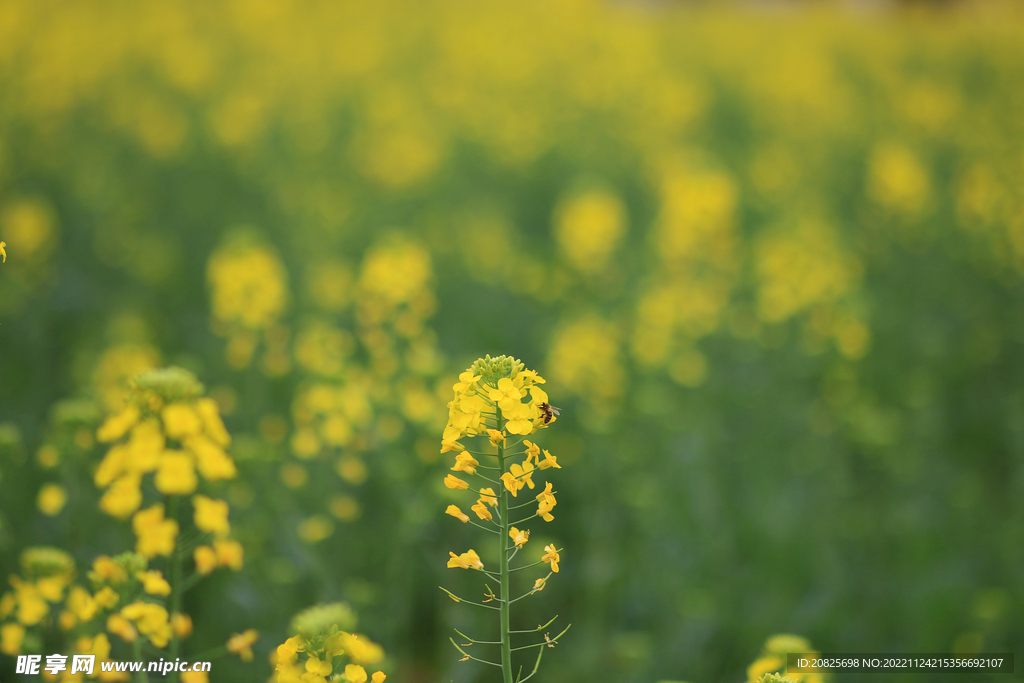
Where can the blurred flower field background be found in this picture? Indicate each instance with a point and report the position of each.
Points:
(769, 259)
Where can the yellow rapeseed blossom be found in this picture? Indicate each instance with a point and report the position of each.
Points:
(241, 644)
(119, 625)
(458, 514)
(181, 624)
(176, 474)
(106, 570)
(51, 499)
(155, 535)
(467, 560)
(205, 558)
(180, 421)
(500, 402)
(123, 497)
(229, 553)
(551, 557)
(211, 515)
(455, 483)
(11, 637)
(154, 583)
(519, 537)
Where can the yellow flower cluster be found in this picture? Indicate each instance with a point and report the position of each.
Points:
(249, 292)
(500, 401)
(166, 406)
(323, 644)
(47, 573)
(473, 399)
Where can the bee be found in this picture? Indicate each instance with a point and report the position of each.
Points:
(549, 412)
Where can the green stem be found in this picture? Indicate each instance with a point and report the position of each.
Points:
(141, 676)
(177, 588)
(506, 640)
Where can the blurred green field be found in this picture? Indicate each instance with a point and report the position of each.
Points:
(770, 260)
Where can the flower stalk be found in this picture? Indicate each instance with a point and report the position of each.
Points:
(499, 400)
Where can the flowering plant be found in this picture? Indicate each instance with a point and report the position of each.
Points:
(501, 402)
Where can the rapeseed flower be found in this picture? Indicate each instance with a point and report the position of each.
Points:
(156, 535)
(500, 401)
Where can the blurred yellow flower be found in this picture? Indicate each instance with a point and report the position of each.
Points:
(205, 558)
(155, 535)
(229, 553)
(180, 420)
(176, 474)
(11, 635)
(51, 499)
(241, 644)
(211, 515)
(154, 583)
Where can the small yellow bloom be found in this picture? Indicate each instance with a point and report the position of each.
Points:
(181, 624)
(145, 447)
(241, 644)
(467, 560)
(118, 424)
(211, 515)
(81, 604)
(229, 553)
(106, 597)
(120, 626)
(104, 569)
(447, 446)
(464, 462)
(539, 584)
(481, 511)
(11, 635)
(532, 451)
(524, 473)
(466, 381)
(355, 673)
(180, 420)
(3, 250)
(548, 461)
(520, 419)
(488, 496)
(546, 500)
(511, 483)
(51, 499)
(378, 677)
(123, 497)
(455, 483)
(458, 514)
(155, 535)
(497, 438)
(213, 463)
(551, 556)
(213, 426)
(315, 666)
(176, 475)
(206, 559)
(506, 395)
(154, 583)
(519, 537)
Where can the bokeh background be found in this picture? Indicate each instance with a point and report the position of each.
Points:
(769, 258)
